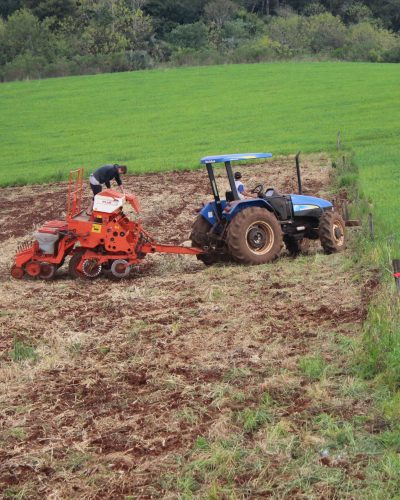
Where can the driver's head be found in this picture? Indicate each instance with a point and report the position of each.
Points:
(122, 169)
(238, 176)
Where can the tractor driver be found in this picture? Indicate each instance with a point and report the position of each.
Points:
(104, 175)
(242, 192)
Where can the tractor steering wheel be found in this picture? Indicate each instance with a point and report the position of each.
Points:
(258, 190)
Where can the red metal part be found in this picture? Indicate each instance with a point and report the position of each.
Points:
(75, 188)
(33, 268)
(17, 272)
(34, 254)
(26, 254)
(133, 201)
(156, 247)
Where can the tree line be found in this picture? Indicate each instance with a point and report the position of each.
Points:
(43, 38)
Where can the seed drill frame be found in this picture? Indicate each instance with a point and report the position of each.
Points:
(104, 242)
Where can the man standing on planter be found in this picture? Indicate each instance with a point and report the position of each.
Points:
(104, 175)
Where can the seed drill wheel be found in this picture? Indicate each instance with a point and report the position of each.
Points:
(199, 239)
(47, 271)
(73, 265)
(332, 232)
(91, 268)
(119, 269)
(17, 272)
(254, 236)
(33, 268)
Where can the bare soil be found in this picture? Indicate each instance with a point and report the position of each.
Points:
(127, 376)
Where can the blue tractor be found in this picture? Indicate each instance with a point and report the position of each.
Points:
(253, 230)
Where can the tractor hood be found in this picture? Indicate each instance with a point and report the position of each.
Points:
(303, 203)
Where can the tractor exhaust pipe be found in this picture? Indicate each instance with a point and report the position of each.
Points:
(299, 173)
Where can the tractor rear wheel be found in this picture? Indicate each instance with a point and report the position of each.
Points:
(332, 232)
(199, 239)
(199, 232)
(254, 236)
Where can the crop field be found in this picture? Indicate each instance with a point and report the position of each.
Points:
(184, 380)
(167, 119)
(181, 381)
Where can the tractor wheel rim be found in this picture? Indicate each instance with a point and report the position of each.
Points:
(338, 233)
(259, 237)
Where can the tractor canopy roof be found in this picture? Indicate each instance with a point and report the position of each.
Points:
(234, 157)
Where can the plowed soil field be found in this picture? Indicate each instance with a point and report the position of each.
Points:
(181, 380)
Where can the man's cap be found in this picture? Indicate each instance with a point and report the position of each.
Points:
(238, 175)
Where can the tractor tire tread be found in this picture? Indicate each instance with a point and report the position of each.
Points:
(236, 236)
(199, 232)
(326, 237)
(199, 239)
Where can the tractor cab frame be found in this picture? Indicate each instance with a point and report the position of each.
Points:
(231, 195)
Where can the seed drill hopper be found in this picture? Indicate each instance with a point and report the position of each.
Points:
(105, 242)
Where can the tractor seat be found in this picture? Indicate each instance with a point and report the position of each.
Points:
(271, 192)
(229, 196)
(280, 204)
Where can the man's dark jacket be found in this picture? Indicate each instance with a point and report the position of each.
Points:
(106, 174)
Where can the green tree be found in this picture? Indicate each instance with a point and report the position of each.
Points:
(325, 32)
(192, 36)
(167, 14)
(313, 9)
(355, 12)
(108, 26)
(218, 12)
(366, 42)
(389, 11)
(8, 7)
(51, 8)
(24, 33)
(289, 33)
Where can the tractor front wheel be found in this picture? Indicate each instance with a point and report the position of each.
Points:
(332, 232)
(254, 236)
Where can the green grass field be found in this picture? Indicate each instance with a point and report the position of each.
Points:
(168, 119)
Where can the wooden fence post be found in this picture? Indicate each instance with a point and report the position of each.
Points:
(396, 268)
(345, 210)
(338, 140)
(371, 227)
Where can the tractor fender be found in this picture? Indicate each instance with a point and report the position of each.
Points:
(237, 206)
(209, 211)
(231, 209)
